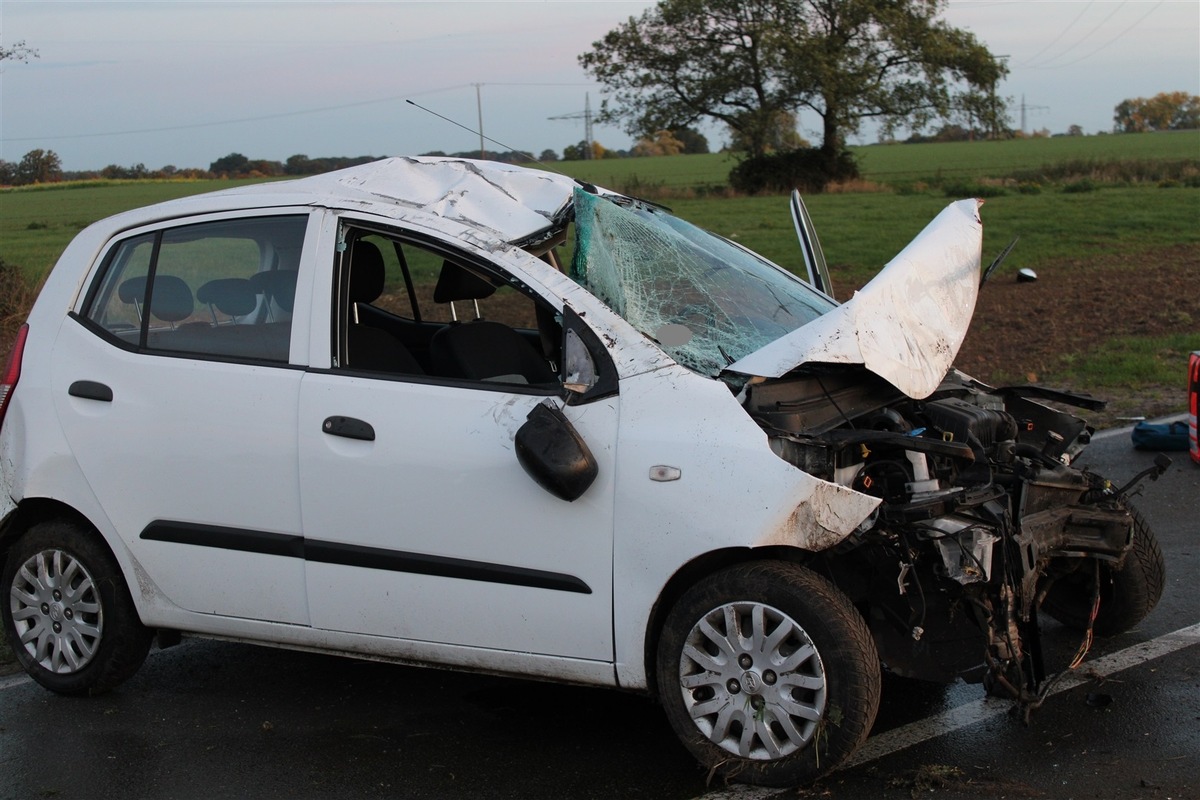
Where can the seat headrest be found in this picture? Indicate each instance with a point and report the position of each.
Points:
(278, 285)
(367, 274)
(455, 283)
(233, 297)
(171, 301)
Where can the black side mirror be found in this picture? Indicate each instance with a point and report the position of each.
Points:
(554, 454)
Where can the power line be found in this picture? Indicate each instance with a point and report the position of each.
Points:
(1087, 35)
(194, 125)
(1120, 35)
(265, 117)
(1061, 33)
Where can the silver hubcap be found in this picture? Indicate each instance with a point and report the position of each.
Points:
(56, 611)
(752, 681)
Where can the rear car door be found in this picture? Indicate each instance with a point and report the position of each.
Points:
(176, 391)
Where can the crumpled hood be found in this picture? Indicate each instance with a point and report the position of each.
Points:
(907, 324)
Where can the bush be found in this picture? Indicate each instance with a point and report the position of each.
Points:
(1080, 186)
(805, 169)
(16, 298)
(973, 189)
(1110, 172)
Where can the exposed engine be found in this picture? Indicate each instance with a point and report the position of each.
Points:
(982, 511)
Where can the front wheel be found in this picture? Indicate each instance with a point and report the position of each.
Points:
(768, 674)
(67, 613)
(1127, 594)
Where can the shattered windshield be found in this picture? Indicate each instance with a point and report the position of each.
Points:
(706, 301)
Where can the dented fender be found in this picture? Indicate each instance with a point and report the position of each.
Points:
(827, 516)
(731, 492)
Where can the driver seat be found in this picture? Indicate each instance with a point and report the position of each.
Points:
(481, 349)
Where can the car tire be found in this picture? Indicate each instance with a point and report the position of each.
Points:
(1127, 594)
(768, 674)
(67, 612)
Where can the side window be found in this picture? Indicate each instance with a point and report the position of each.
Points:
(217, 288)
(407, 307)
(424, 266)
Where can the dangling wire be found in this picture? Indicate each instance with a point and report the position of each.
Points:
(1095, 611)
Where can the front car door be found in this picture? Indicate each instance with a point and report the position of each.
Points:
(420, 524)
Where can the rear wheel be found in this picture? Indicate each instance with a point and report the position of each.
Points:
(67, 612)
(1127, 594)
(768, 674)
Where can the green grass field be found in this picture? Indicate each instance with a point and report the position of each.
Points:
(905, 163)
(37, 223)
(859, 231)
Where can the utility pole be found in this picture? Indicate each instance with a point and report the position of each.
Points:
(479, 110)
(1025, 108)
(586, 116)
(995, 122)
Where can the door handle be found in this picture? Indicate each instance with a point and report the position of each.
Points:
(349, 427)
(91, 390)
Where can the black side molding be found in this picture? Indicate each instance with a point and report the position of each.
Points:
(274, 544)
(315, 550)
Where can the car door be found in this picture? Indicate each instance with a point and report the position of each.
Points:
(177, 398)
(421, 524)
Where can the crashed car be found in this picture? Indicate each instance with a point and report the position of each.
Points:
(607, 447)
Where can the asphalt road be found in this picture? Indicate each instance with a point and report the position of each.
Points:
(216, 720)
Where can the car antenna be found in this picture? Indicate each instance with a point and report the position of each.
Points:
(511, 149)
(987, 273)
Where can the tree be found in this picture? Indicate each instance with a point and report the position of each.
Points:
(17, 52)
(9, 172)
(298, 164)
(39, 166)
(743, 61)
(579, 152)
(662, 143)
(779, 135)
(1166, 111)
(117, 172)
(229, 166)
(685, 60)
(1074, 130)
(694, 142)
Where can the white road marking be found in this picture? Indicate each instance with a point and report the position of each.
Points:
(14, 680)
(923, 730)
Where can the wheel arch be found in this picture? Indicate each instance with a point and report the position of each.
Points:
(33, 510)
(687, 576)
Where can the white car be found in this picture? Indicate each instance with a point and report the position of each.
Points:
(608, 448)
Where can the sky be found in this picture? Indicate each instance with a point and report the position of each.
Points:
(184, 83)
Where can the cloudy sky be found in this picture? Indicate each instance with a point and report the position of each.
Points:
(185, 83)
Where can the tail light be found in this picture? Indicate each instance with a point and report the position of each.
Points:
(12, 370)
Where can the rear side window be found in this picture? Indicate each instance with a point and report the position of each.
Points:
(221, 289)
